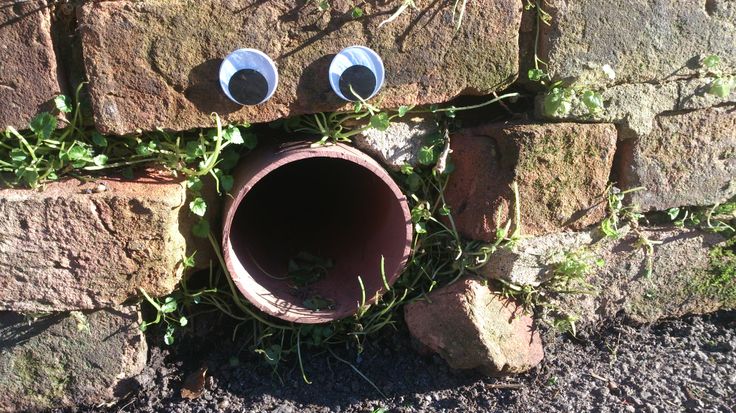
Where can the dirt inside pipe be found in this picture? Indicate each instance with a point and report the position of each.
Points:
(333, 210)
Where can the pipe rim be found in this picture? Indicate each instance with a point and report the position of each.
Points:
(284, 155)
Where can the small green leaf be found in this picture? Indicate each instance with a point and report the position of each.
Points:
(380, 121)
(720, 87)
(226, 182)
(198, 206)
(201, 229)
(403, 109)
(169, 336)
(414, 181)
(193, 150)
(77, 152)
(228, 160)
(43, 125)
(250, 141)
(100, 160)
(194, 184)
(183, 321)
(593, 101)
(558, 102)
(232, 134)
(63, 104)
(711, 61)
(143, 327)
(426, 155)
(673, 213)
(169, 305)
(189, 262)
(357, 12)
(536, 75)
(18, 155)
(445, 210)
(99, 140)
(420, 227)
(407, 169)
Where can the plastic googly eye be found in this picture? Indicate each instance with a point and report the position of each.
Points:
(358, 68)
(248, 77)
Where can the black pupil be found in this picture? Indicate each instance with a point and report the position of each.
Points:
(362, 80)
(248, 87)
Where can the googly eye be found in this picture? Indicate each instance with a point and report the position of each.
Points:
(359, 68)
(248, 77)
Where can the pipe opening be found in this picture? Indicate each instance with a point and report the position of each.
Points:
(330, 209)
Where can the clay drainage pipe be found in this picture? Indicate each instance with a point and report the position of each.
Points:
(304, 223)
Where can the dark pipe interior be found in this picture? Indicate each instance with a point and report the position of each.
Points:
(328, 207)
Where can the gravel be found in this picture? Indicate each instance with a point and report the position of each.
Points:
(686, 364)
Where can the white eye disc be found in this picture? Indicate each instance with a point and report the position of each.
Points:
(359, 68)
(248, 77)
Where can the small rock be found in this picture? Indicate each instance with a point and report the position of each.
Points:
(53, 363)
(400, 143)
(472, 327)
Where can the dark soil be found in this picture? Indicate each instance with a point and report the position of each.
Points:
(678, 365)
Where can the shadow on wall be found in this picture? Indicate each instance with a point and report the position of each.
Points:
(20, 9)
(314, 85)
(15, 329)
(204, 89)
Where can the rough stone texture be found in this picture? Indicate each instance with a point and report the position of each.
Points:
(28, 72)
(68, 247)
(472, 327)
(687, 159)
(561, 170)
(528, 261)
(680, 266)
(642, 41)
(634, 107)
(400, 143)
(155, 63)
(63, 360)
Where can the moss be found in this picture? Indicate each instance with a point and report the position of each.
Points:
(719, 281)
(45, 381)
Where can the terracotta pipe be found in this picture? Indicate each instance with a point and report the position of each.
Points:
(333, 202)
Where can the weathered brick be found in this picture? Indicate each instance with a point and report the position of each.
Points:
(561, 169)
(682, 279)
(28, 71)
(64, 360)
(688, 159)
(642, 41)
(472, 327)
(155, 63)
(69, 247)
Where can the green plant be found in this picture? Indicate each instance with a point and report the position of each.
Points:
(46, 153)
(720, 84)
(619, 214)
(560, 100)
(719, 218)
(567, 273)
(719, 281)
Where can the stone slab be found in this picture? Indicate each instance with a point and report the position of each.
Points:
(688, 159)
(29, 78)
(472, 327)
(682, 268)
(644, 42)
(64, 360)
(155, 63)
(70, 246)
(561, 169)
